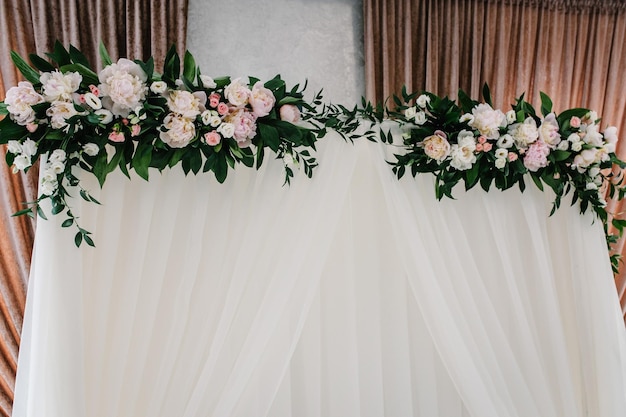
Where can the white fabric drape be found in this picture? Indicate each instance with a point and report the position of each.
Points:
(349, 294)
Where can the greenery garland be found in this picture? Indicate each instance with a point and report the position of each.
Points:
(127, 116)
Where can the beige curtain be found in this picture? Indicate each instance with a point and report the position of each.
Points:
(129, 28)
(573, 50)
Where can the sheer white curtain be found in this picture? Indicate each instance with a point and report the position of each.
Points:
(349, 294)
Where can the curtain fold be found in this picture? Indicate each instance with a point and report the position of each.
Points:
(574, 51)
(133, 29)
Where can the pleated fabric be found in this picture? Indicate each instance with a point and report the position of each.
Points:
(349, 294)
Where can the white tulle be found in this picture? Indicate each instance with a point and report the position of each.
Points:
(349, 294)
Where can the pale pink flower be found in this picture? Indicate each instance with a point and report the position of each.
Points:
(237, 93)
(487, 146)
(179, 131)
(479, 147)
(212, 138)
(574, 122)
(19, 101)
(436, 147)
(549, 131)
(482, 139)
(94, 90)
(123, 85)
(222, 109)
(116, 137)
(134, 131)
(261, 100)
(536, 156)
(59, 86)
(289, 113)
(31, 127)
(512, 156)
(488, 121)
(245, 127)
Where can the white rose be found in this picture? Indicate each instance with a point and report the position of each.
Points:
(593, 136)
(91, 149)
(214, 121)
(410, 113)
(422, 100)
(29, 147)
(592, 116)
(591, 186)
(179, 131)
(261, 99)
(289, 113)
(237, 93)
(207, 81)
(594, 172)
(227, 130)
(467, 117)
(106, 116)
(501, 153)
(420, 118)
(19, 101)
(123, 86)
(22, 162)
(57, 155)
(577, 146)
(14, 146)
(524, 133)
(48, 187)
(488, 121)
(511, 116)
(158, 87)
(500, 163)
(505, 141)
(93, 101)
(59, 86)
(206, 117)
(563, 145)
(48, 176)
(57, 167)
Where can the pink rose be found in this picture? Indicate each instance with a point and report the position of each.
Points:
(94, 90)
(214, 100)
(512, 156)
(574, 122)
(212, 138)
(116, 137)
(261, 100)
(289, 113)
(482, 139)
(487, 146)
(31, 127)
(222, 109)
(135, 130)
(479, 147)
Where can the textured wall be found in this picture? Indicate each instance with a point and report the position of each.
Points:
(318, 40)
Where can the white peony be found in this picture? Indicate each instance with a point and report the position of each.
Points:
(91, 149)
(186, 104)
(237, 93)
(19, 101)
(179, 131)
(462, 154)
(525, 133)
(549, 131)
(123, 85)
(59, 112)
(488, 121)
(59, 86)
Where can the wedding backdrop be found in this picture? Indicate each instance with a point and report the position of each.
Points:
(349, 293)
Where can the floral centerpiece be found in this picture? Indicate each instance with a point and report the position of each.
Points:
(474, 143)
(127, 116)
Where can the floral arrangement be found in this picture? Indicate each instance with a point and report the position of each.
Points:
(475, 144)
(127, 116)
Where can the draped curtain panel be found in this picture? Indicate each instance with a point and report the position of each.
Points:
(129, 28)
(573, 50)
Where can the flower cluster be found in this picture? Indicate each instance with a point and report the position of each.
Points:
(127, 116)
(475, 144)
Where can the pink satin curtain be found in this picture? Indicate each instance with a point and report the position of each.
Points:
(573, 50)
(129, 28)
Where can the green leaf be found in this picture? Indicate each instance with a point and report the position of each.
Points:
(40, 63)
(189, 66)
(171, 68)
(89, 241)
(546, 103)
(22, 212)
(104, 55)
(78, 239)
(141, 159)
(270, 136)
(487, 94)
(537, 181)
(27, 71)
(472, 176)
(78, 58)
(221, 168)
(67, 223)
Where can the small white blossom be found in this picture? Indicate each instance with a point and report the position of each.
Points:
(420, 118)
(422, 100)
(467, 117)
(410, 113)
(511, 116)
(207, 81)
(57, 155)
(563, 145)
(500, 163)
(21, 162)
(91, 149)
(501, 153)
(158, 87)
(227, 130)
(505, 141)
(93, 101)
(15, 147)
(591, 186)
(106, 116)
(29, 147)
